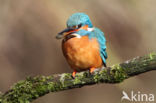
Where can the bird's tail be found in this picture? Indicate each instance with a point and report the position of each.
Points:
(104, 64)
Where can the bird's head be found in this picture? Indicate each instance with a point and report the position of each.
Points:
(75, 23)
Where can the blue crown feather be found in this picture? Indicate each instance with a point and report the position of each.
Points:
(79, 18)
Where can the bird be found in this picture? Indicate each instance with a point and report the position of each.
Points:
(83, 45)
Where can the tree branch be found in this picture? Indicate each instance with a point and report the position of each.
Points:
(32, 88)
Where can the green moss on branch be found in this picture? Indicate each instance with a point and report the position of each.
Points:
(32, 88)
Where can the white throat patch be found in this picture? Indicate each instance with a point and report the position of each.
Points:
(77, 35)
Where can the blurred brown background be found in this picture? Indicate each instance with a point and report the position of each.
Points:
(28, 46)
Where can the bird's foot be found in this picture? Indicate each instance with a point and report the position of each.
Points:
(91, 70)
(74, 73)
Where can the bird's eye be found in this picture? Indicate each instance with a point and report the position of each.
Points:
(79, 26)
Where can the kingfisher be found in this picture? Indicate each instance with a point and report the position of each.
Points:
(83, 45)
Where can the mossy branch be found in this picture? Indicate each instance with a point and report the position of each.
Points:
(32, 88)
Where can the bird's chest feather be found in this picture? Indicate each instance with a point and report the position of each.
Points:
(82, 53)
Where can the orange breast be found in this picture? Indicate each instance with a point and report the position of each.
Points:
(82, 53)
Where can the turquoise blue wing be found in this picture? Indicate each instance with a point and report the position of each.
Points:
(97, 33)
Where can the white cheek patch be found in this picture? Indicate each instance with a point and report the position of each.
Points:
(77, 35)
(90, 29)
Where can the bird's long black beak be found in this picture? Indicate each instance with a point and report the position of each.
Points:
(63, 33)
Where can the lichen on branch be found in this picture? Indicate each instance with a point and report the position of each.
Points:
(32, 88)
